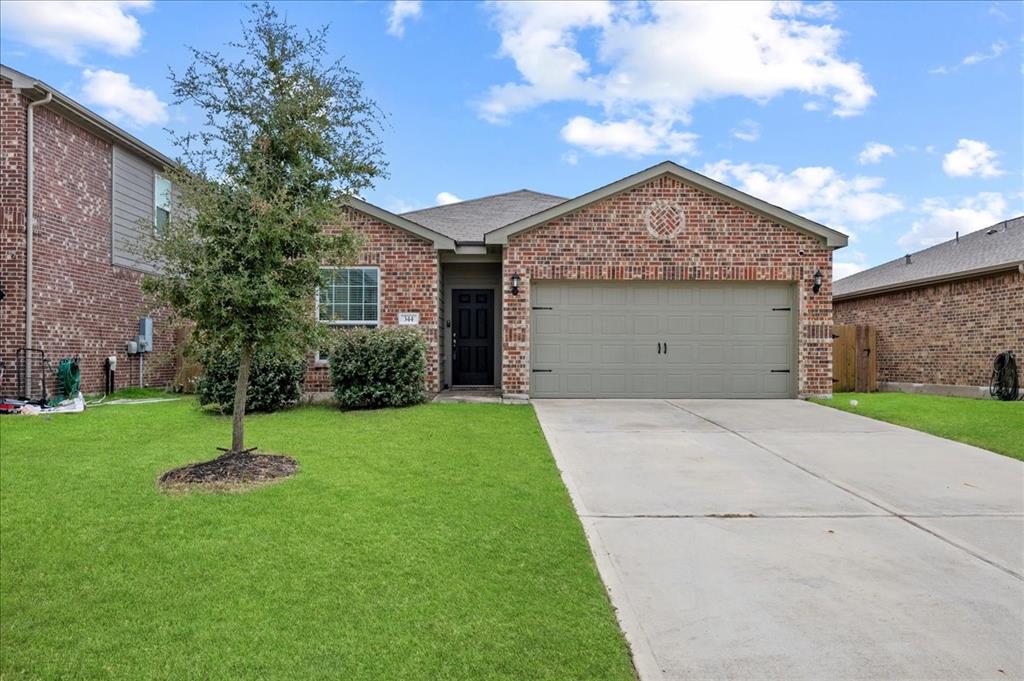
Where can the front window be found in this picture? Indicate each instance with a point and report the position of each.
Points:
(161, 203)
(349, 296)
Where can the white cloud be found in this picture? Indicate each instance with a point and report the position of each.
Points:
(400, 12)
(852, 262)
(994, 51)
(652, 63)
(820, 193)
(444, 198)
(978, 57)
(873, 152)
(119, 100)
(995, 11)
(398, 205)
(629, 137)
(747, 131)
(820, 10)
(942, 221)
(66, 29)
(971, 157)
(571, 157)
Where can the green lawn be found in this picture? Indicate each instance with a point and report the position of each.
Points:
(435, 542)
(990, 424)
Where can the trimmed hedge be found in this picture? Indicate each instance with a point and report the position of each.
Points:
(274, 382)
(381, 367)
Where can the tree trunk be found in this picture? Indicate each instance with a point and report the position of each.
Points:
(241, 391)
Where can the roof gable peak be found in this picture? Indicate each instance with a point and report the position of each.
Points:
(831, 237)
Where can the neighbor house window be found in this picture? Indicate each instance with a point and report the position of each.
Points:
(349, 296)
(161, 203)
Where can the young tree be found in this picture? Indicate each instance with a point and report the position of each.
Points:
(286, 135)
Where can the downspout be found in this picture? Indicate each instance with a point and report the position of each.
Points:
(29, 223)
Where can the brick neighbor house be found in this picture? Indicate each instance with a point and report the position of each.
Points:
(94, 186)
(943, 313)
(665, 283)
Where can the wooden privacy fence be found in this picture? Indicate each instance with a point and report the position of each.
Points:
(854, 360)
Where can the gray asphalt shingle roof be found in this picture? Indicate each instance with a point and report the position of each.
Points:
(469, 220)
(998, 245)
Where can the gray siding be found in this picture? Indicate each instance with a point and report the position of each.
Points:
(132, 215)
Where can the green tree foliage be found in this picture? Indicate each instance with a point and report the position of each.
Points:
(286, 135)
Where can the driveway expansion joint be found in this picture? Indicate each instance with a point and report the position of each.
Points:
(907, 518)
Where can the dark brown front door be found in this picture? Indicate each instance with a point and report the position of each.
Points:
(472, 337)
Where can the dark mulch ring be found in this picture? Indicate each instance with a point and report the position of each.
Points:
(230, 472)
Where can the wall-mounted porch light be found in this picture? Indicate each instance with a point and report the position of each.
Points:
(817, 281)
(515, 283)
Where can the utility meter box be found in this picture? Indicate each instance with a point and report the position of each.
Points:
(131, 347)
(145, 337)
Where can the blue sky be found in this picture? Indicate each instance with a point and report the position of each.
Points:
(898, 123)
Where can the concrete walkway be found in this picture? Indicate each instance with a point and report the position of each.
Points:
(785, 540)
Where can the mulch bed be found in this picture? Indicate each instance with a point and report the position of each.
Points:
(230, 472)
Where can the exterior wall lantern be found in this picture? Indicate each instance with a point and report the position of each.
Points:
(817, 281)
(516, 280)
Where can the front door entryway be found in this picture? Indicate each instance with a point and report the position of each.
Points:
(472, 337)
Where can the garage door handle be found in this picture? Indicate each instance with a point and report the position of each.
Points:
(666, 348)
(542, 371)
(780, 371)
(659, 348)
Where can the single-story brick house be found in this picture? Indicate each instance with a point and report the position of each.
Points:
(942, 314)
(665, 283)
(71, 283)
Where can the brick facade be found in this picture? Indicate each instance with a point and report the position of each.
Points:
(12, 228)
(721, 242)
(409, 282)
(946, 334)
(84, 306)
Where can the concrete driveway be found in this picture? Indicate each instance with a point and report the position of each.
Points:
(785, 540)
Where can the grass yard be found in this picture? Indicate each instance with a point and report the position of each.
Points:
(435, 542)
(989, 424)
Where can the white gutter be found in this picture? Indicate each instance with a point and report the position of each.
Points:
(29, 224)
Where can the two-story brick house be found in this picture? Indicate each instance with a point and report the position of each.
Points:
(89, 187)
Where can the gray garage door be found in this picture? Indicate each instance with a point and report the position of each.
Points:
(662, 339)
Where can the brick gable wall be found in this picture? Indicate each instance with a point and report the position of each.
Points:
(84, 306)
(409, 282)
(720, 242)
(947, 334)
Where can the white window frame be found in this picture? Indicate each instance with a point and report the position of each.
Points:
(343, 323)
(156, 193)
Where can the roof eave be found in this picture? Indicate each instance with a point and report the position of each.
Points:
(832, 238)
(440, 241)
(930, 281)
(80, 115)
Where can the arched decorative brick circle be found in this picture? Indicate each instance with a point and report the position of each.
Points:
(664, 219)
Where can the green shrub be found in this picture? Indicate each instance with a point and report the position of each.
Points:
(382, 367)
(274, 382)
